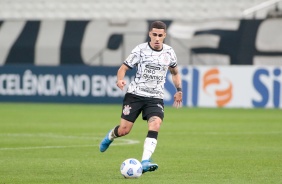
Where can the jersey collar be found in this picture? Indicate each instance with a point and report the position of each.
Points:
(155, 49)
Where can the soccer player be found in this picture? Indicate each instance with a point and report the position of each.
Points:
(146, 92)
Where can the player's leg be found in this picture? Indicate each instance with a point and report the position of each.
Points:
(150, 144)
(130, 112)
(151, 140)
(154, 115)
(119, 131)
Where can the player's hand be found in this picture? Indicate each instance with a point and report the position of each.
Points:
(177, 100)
(121, 84)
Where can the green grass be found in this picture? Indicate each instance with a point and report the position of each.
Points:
(58, 143)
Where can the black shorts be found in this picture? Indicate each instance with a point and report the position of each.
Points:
(133, 105)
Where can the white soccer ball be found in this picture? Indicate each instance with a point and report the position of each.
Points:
(131, 168)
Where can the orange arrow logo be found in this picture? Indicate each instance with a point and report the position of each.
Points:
(212, 78)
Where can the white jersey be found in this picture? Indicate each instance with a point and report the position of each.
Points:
(152, 66)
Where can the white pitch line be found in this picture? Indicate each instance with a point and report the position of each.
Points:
(116, 143)
(44, 147)
(225, 133)
(49, 135)
(127, 142)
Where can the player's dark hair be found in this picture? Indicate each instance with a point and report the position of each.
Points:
(158, 25)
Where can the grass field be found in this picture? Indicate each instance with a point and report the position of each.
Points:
(58, 143)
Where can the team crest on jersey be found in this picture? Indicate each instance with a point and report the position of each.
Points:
(126, 110)
(166, 59)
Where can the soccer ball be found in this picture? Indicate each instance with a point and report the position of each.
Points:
(131, 168)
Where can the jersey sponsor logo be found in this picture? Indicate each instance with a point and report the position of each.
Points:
(152, 67)
(152, 77)
(150, 91)
(154, 73)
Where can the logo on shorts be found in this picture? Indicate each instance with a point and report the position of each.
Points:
(160, 106)
(126, 110)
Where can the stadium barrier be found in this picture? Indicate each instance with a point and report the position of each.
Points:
(203, 86)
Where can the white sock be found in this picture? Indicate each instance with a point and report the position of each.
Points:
(149, 148)
(112, 135)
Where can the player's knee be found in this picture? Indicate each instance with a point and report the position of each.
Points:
(155, 123)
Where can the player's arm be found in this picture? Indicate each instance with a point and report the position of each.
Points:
(120, 76)
(176, 79)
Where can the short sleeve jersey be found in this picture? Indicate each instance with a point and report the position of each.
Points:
(152, 66)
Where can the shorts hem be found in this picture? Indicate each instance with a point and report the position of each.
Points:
(160, 115)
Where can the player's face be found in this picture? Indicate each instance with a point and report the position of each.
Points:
(157, 38)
